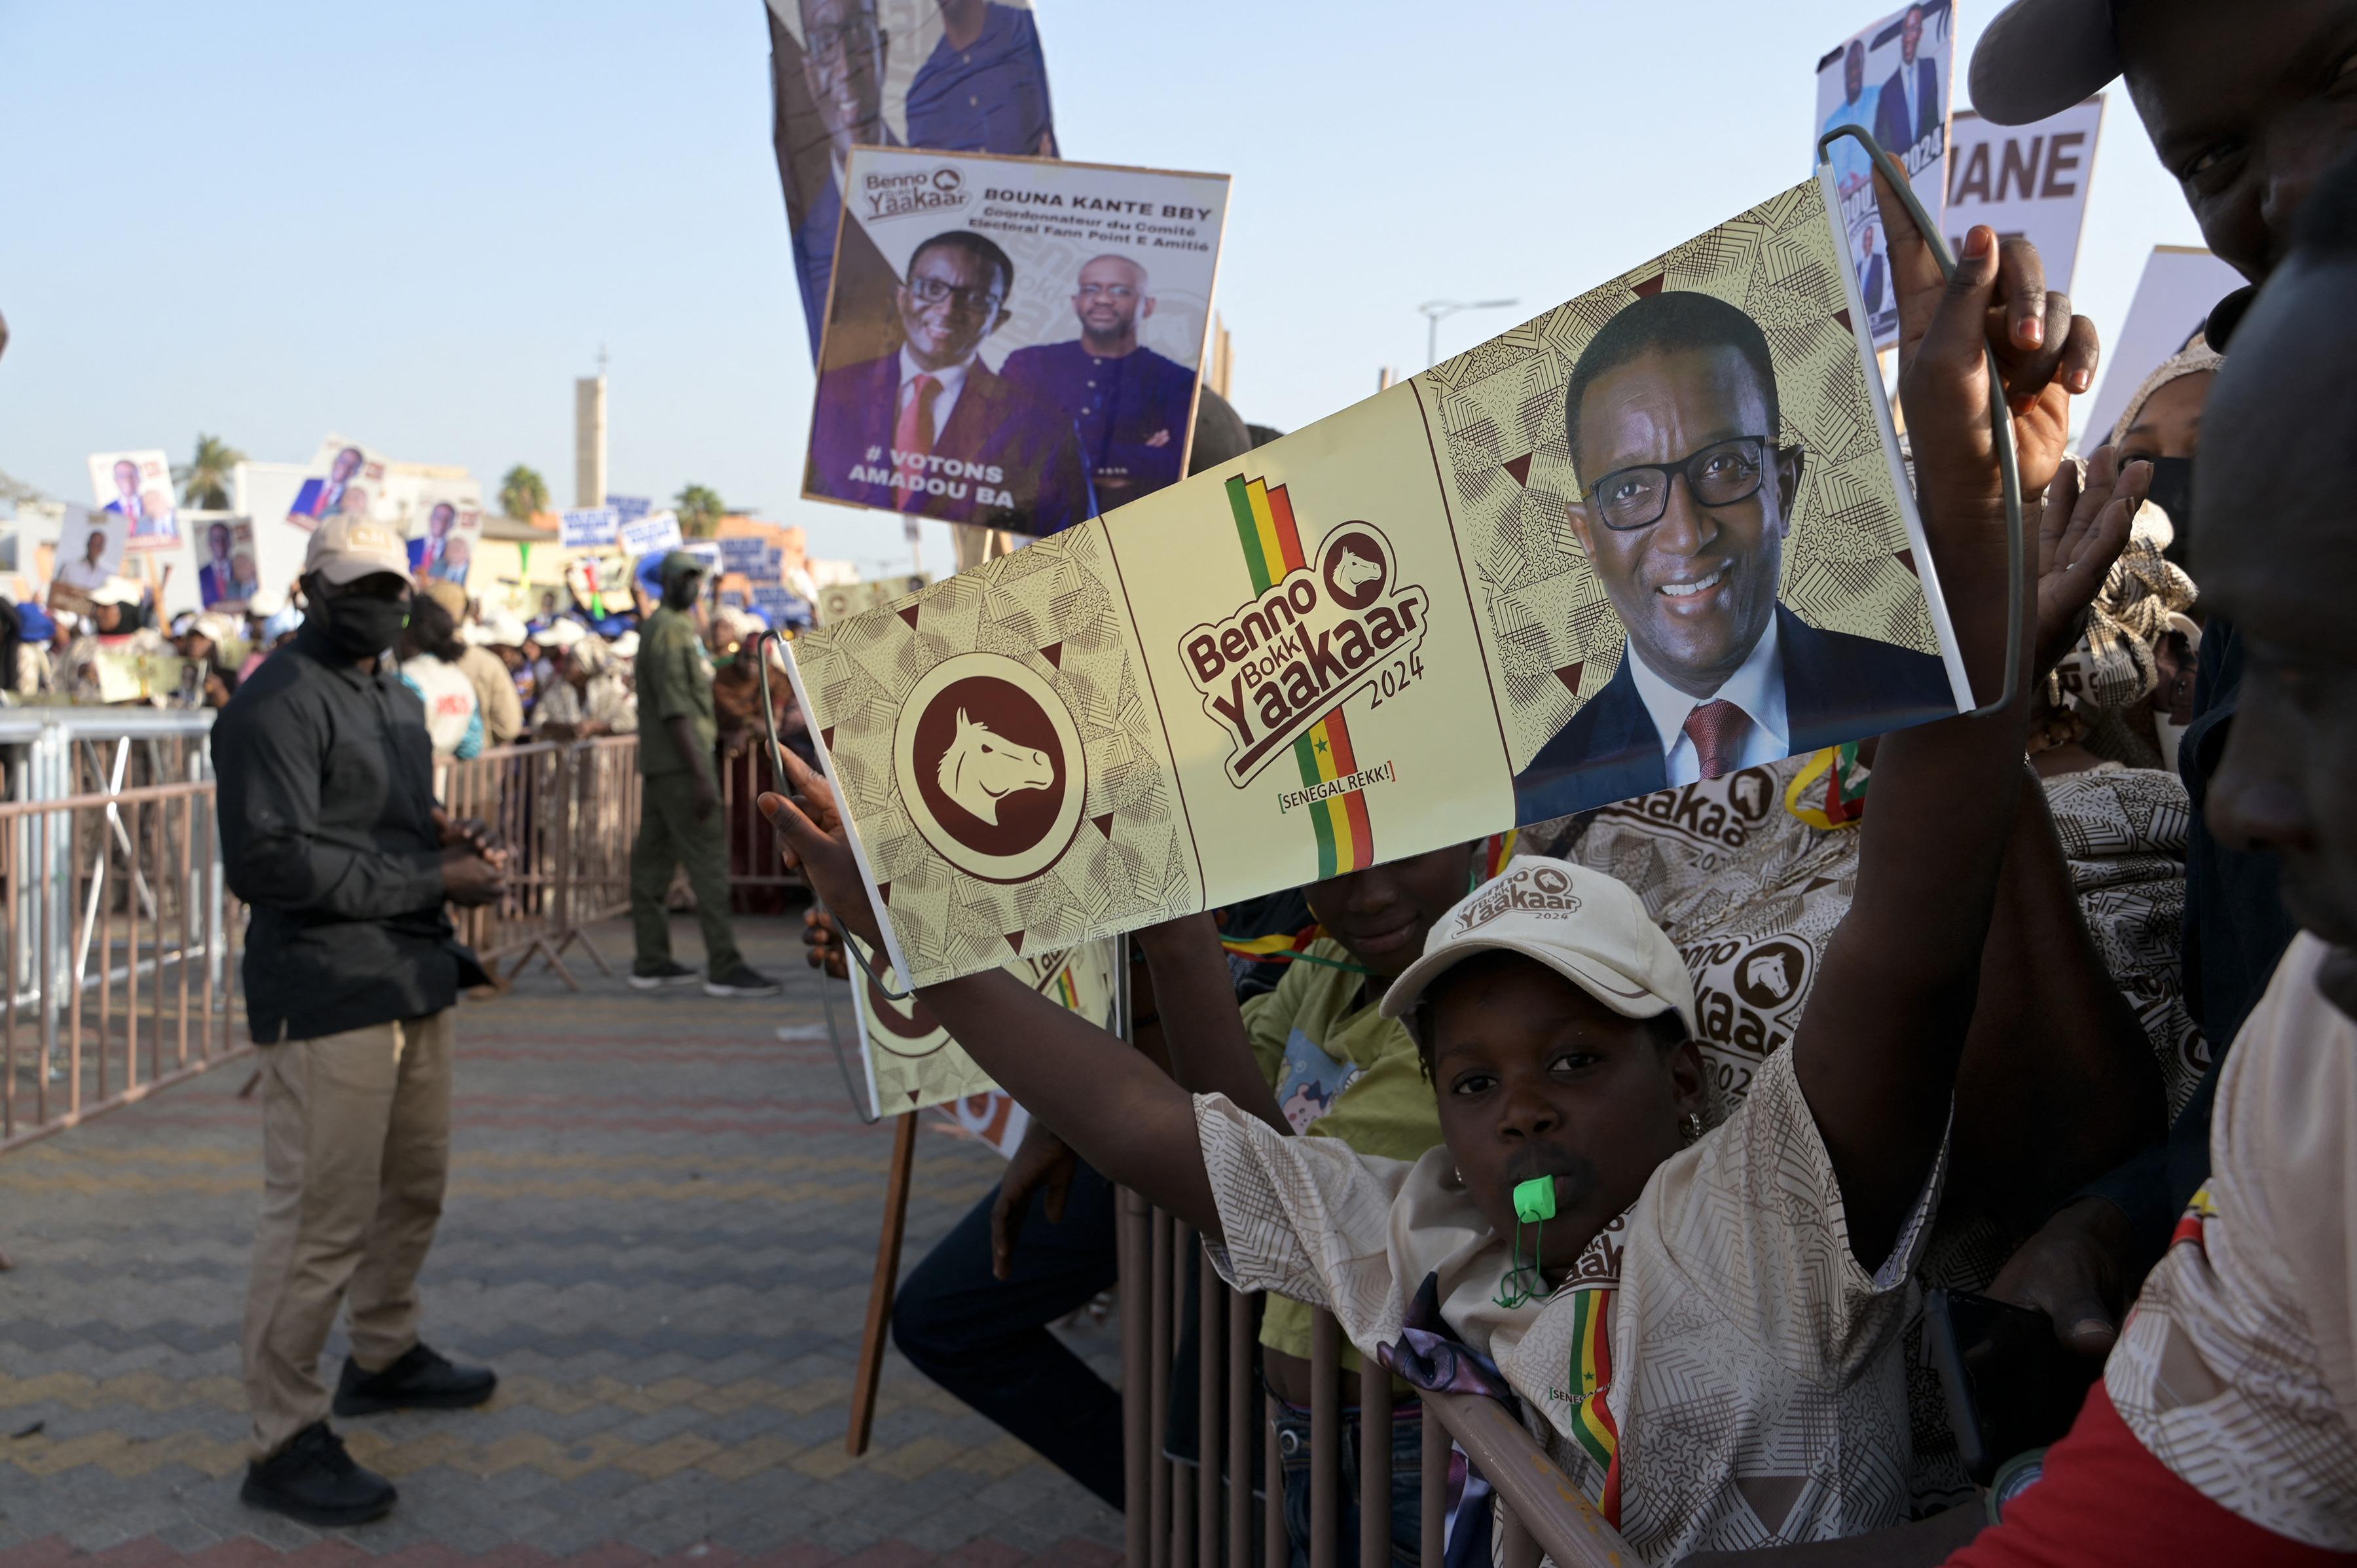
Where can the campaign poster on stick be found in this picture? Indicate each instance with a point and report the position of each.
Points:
(652, 534)
(912, 1062)
(2029, 180)
(1891, 79)
(90, 545)
(137, 488)
(960, 76)
(345, 476)
(226, 573)
(443, 538)
(1448, 609)
(1028, 356)
(592, 528)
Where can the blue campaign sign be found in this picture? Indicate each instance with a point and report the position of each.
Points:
(743, 555)
(591, 529)
(629, 509)
(783, 606)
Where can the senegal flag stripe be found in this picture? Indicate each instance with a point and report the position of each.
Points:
(1271, 543)
(1305, 757)
(1288, 534)
(1248, 535)
(1591, 1367)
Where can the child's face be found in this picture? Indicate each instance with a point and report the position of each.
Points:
(1384, 914)
(1535, 1078)
(2274, 549)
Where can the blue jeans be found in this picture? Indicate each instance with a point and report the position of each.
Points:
(1407, 1487)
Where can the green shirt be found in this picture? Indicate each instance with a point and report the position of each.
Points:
(674, 681)
(1343, 1070)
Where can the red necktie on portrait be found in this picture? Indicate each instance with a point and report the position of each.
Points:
(912, 436)
(1716, 729)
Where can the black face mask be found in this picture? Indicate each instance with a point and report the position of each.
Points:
(361, 625)
(2172, 491)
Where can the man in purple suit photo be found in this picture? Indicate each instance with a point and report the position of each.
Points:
(1672, 416)
(1130, 404)
(1910, 106)
(930, 429)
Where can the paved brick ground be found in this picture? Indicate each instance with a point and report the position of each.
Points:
(661, 1226)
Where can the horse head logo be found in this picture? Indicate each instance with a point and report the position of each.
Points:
(1766, 971)
(981, 767)
(1355, 571)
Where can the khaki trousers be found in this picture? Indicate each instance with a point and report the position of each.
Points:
(355, 1149)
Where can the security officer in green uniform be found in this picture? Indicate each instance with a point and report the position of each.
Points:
(680, 822)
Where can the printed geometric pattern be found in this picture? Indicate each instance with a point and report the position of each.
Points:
(1509, 471)
(934, 1071)
(1130, 860)
(660, 1230)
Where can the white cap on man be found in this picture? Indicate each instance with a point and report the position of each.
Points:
(345, 548)
(1583, 925)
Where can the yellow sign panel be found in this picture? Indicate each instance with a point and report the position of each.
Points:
(913, 1063)
(1411, 624)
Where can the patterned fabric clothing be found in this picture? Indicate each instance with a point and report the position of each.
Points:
(2238, 1368)
(1339, 1069)
(1718, 1370)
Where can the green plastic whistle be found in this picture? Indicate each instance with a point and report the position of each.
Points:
(1535, 1199)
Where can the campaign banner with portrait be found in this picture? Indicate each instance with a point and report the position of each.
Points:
(92, 542)
(911, 1060)
(957, 76)
(1016, 343)
(1892, 79)
(345, 477)
(840, 601)
(227, 572)
(137, 488)
(445, 529)
(1486, 595)
(2028, 180)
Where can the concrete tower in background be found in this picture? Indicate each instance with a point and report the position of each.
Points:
(589, 437)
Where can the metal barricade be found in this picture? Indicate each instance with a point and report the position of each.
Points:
(1183, 1515)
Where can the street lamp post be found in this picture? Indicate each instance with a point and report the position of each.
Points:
(1436, 310)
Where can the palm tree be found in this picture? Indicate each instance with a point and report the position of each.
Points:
(205, 478)
(700, 510)
(523, 494)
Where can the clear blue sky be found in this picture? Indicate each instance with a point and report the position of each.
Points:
(416, 223)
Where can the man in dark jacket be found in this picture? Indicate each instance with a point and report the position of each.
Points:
(329, 830)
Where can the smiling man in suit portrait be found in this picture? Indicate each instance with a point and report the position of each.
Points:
(1672, 409)
(930, 428)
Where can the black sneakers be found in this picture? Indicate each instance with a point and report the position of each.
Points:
(314, 1480)
(742, 981)
(421, 1380)
(669, 974)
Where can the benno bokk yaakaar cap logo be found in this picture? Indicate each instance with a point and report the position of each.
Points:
(1324, 624)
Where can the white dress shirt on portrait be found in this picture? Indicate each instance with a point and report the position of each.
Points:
(1757, 687)
(952, 382)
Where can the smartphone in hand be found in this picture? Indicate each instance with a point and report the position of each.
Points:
(2011, 1385)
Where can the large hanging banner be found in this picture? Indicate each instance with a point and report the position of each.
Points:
(1016, 343)
(961, 76)
(1409, 625)
(1891, 79)
(137, 488)
(911, 1060)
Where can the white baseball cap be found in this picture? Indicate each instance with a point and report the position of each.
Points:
(500, 629)
(1583, 925)
(563, 633)
(345, 548)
